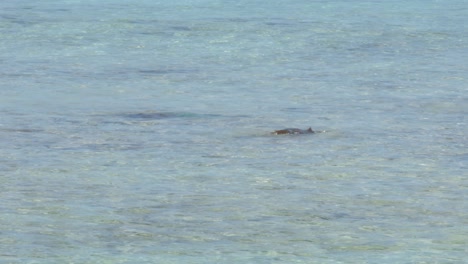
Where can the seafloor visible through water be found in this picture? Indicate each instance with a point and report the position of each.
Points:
(140, 132)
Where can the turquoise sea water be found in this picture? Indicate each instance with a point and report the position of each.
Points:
(139, 131)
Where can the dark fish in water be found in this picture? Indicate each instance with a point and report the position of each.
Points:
(293, 131)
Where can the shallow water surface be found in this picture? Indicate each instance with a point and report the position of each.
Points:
(141, 132)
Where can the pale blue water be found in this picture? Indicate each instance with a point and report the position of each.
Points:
(138, 131)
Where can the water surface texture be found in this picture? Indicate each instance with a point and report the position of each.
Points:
(139, 131)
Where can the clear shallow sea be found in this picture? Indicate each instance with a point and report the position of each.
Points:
(138, 131)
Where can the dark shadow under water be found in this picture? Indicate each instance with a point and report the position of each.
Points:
(162, 115)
